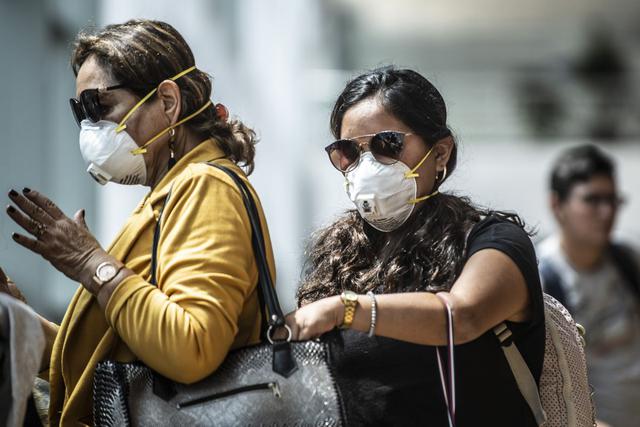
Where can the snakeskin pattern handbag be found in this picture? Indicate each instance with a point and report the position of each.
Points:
(273, 383)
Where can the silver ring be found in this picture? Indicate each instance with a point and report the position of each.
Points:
(271, 329)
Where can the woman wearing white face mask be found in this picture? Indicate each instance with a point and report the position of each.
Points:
(146, 118)
(376, 270)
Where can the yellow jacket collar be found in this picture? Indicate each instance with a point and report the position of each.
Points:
(206, 151)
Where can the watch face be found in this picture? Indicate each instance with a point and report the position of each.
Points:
(350, 296)
(106, 272)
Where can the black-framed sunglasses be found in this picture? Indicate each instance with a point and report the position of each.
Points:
(385, 146)
(88, 106)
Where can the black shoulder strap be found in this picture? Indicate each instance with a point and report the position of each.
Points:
(156, 240)
(266, 290)
(553, 284)
(624, 260)
(265, 282)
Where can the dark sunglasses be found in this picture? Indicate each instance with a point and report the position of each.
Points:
(385, 147)
(88, 106)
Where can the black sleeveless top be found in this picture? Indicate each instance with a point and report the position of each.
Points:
(382, 381)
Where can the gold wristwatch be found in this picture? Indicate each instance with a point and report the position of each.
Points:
(350, 301)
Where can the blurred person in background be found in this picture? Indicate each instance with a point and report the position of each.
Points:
(597, 279)
(146, 118)
(376, 270)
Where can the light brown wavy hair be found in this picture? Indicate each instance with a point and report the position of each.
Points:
(429, 250)
(141, 54)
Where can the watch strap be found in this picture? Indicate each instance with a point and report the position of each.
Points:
(350, 304)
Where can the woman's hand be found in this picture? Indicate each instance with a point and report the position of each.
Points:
(313, 320)
(8, 287)
(66, 243)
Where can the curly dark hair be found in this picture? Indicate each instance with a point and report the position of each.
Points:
(429, 250)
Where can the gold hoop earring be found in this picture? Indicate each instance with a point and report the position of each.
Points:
(444, 174)
(172, 154)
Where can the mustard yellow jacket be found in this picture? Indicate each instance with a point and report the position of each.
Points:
(204, 305)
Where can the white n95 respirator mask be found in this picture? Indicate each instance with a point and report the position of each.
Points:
(384, 194)
(109, 154)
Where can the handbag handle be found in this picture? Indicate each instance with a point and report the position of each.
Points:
(448, 378)
(283, 362)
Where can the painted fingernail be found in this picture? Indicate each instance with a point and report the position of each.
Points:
(11, 209)
(14, 236)
(13, 193)
(26, 190)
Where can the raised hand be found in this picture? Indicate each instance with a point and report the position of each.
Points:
(66, 243)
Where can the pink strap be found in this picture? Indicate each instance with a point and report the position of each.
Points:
(448, 387)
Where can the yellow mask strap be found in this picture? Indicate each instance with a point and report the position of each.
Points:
(122, 125)
(412, 173)
(143, 149)
(423, 198)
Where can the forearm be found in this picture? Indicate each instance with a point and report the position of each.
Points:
(184, 341)
(490, 290)
(414, 317)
